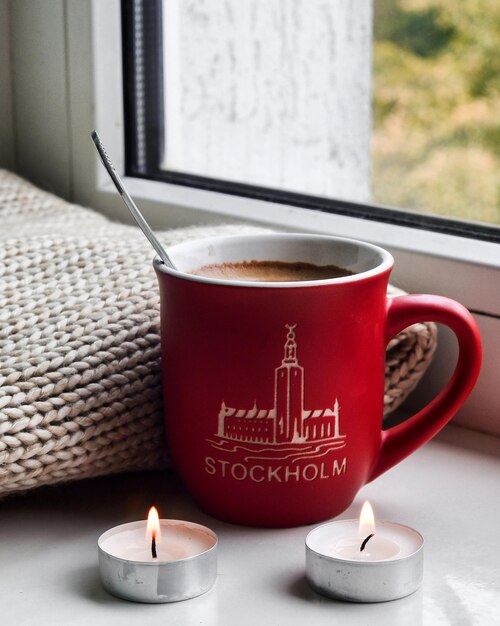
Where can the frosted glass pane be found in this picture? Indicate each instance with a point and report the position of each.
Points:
(270, 92)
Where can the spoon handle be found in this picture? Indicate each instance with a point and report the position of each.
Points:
(132, 207)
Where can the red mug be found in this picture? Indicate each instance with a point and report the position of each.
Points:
(274, 391)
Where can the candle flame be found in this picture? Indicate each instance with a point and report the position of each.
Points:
(153, 526)
(366, 520)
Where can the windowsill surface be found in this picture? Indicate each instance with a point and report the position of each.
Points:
(447, 490)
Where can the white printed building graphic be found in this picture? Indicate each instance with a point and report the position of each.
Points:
(288, 421)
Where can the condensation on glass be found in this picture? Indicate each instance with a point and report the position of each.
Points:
(270, 93)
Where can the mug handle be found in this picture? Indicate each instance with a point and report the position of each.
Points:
(403, 311)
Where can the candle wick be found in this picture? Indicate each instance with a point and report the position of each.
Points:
(363, 545)
(153, 546)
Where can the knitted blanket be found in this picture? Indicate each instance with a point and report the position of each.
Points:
(80, 383)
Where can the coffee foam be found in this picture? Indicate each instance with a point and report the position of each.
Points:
(271, 271)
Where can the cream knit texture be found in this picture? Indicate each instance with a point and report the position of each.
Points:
(80, 382)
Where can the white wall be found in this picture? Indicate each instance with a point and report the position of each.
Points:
(7, 152)
(40, 97)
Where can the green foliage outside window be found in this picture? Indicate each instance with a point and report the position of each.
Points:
(436, 136)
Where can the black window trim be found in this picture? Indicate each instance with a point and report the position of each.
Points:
(144, 135)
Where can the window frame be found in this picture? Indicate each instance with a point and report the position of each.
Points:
(90, 85)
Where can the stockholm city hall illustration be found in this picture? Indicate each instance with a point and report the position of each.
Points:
(288, 422)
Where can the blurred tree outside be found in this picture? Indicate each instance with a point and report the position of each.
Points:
(436, 107)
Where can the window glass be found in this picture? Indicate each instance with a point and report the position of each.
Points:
(390, 102)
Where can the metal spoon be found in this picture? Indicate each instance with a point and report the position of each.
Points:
(132, 207)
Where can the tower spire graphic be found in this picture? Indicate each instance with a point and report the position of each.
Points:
(290, 346)
(289, 392)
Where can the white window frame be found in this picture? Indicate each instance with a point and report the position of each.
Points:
(90, 87)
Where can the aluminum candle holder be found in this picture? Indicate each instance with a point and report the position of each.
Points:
(184, 567)
(338, 566)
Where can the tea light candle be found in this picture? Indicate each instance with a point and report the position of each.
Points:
(364, 562)
(159, 561)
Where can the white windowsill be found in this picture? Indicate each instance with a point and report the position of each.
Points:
(446, 490)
